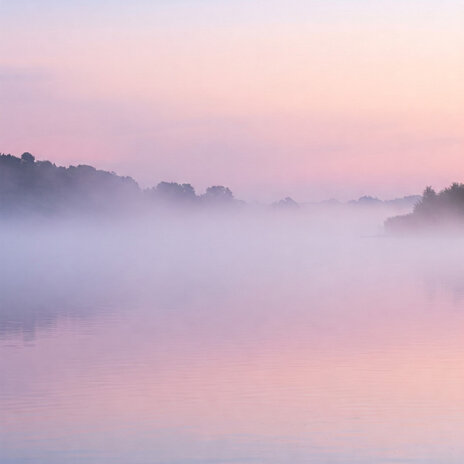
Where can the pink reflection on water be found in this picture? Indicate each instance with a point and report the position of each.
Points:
(382, 378)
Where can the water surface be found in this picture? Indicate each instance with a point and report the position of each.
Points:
(225, 344)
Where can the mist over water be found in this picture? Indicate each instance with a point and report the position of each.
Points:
(231, 232)
(235, 336)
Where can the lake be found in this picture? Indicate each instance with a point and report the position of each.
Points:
(196, 341)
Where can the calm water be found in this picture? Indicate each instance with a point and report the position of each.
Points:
(241, 347)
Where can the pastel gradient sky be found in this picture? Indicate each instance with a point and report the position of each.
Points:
(312, 99)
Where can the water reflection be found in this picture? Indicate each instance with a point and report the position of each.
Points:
(319, 351)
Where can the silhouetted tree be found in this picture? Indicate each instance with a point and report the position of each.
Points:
(27, 185)
(366, 200)
(218, 194)
(286, 203)
(427, 204)
(433, 210)
(174, 192)
(27, 157)
(42, 187)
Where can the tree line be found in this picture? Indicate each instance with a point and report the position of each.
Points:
(434, 210)
(28, 185)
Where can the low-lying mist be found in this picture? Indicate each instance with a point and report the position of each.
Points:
(76, 241)
(176, 260)
(228, 332)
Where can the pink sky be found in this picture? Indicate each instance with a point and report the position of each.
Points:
(270, 98)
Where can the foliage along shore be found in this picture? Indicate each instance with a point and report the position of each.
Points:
(41, 187)
(433, 212)
(29, 186)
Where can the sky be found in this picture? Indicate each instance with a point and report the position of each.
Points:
(302, 98)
